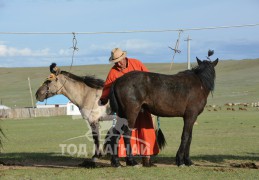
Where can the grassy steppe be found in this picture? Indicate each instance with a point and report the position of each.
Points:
(225, 143)
(236, 81)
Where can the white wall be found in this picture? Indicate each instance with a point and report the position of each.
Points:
(72, 109)
(50, 105)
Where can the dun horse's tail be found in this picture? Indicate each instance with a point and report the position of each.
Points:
(160, 136)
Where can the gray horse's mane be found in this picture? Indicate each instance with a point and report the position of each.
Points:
(206, 73)
(90, 81)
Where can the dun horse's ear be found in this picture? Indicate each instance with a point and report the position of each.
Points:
(215, 62)
(198, 61)
(52, 77)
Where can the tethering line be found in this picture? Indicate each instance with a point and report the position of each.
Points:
(135, 31)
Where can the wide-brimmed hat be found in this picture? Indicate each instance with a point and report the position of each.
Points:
(117, 55)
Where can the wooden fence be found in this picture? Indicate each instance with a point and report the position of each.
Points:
(17, 113)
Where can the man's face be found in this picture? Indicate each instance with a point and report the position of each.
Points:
(121, 64)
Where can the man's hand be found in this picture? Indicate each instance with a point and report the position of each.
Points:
(103, 101)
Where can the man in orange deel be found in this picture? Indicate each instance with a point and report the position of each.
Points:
(143, 138)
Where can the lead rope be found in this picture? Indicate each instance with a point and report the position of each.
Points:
(75, 48)
(114, 120)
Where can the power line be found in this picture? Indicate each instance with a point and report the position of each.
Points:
(133, 31)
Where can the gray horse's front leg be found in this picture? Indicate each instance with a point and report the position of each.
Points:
(182, 156)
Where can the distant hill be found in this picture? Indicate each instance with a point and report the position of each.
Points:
(236, 80)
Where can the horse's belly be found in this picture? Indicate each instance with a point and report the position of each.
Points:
(167, 112)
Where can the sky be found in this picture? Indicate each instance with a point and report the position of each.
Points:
(44, 16)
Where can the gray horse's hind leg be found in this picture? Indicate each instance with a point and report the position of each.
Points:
(121, 127)
(115, 136)
(129, 156)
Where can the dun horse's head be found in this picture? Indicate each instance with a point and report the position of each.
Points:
(50, 86)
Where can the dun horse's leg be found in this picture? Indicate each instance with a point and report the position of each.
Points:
(96, 138)
(97, 154)
(182, 157)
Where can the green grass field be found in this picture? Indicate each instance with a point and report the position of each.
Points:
(225, 146)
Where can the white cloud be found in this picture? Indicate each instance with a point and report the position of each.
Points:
(141, 45)
(64, 52)
(130, 45)
(6, 51)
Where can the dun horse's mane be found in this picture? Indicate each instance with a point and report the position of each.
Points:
(90, 81)
(206, 72)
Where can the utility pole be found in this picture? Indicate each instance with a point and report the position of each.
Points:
(32, 103)
(188, 52)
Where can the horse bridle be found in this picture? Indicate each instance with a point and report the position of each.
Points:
(55, 93)
(46, 84)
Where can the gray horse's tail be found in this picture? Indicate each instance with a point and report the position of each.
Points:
(160, 136)
(160, 139)
(111, 135)
(114, 102)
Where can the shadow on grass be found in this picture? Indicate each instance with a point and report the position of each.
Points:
(222, 158)
(39, 159)
(211, 158)
(56, 160)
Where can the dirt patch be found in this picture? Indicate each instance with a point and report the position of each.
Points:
(224, 169)
(104, 163)
(249, 165)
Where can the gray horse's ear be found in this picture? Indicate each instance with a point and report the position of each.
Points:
(198, 61)
(215, 62)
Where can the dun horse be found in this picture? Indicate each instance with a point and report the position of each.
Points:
(84, 92)
(180, 95)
